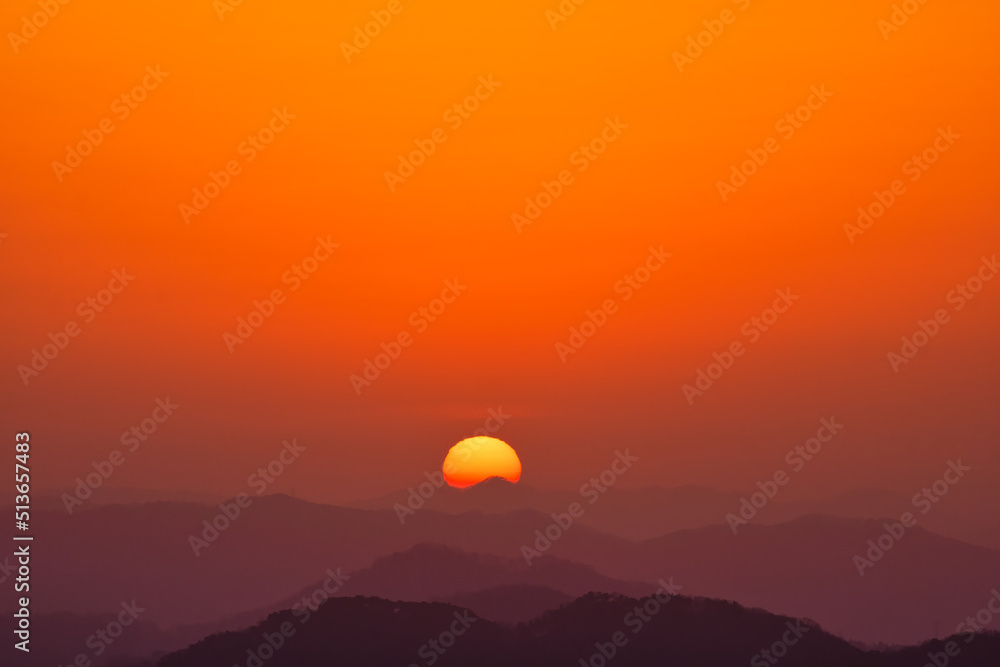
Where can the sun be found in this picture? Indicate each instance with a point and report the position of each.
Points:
(474, 459)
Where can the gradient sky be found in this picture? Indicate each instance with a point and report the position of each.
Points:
(495, 345)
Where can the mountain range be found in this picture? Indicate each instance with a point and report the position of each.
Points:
(923, 586)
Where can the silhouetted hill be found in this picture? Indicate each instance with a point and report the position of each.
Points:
(972, 513)
(511, 604)
(806, 568)
(58, 638)
(121, 495)
(681, 632)
(283, 545)
(437, 573)
(629, 513)
(989, 537)
(426, 571)
(501, 589)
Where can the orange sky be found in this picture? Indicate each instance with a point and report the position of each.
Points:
(390, 252)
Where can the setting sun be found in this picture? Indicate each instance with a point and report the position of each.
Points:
(474, 459)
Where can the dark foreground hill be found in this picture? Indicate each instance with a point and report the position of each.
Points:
(593, 630)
